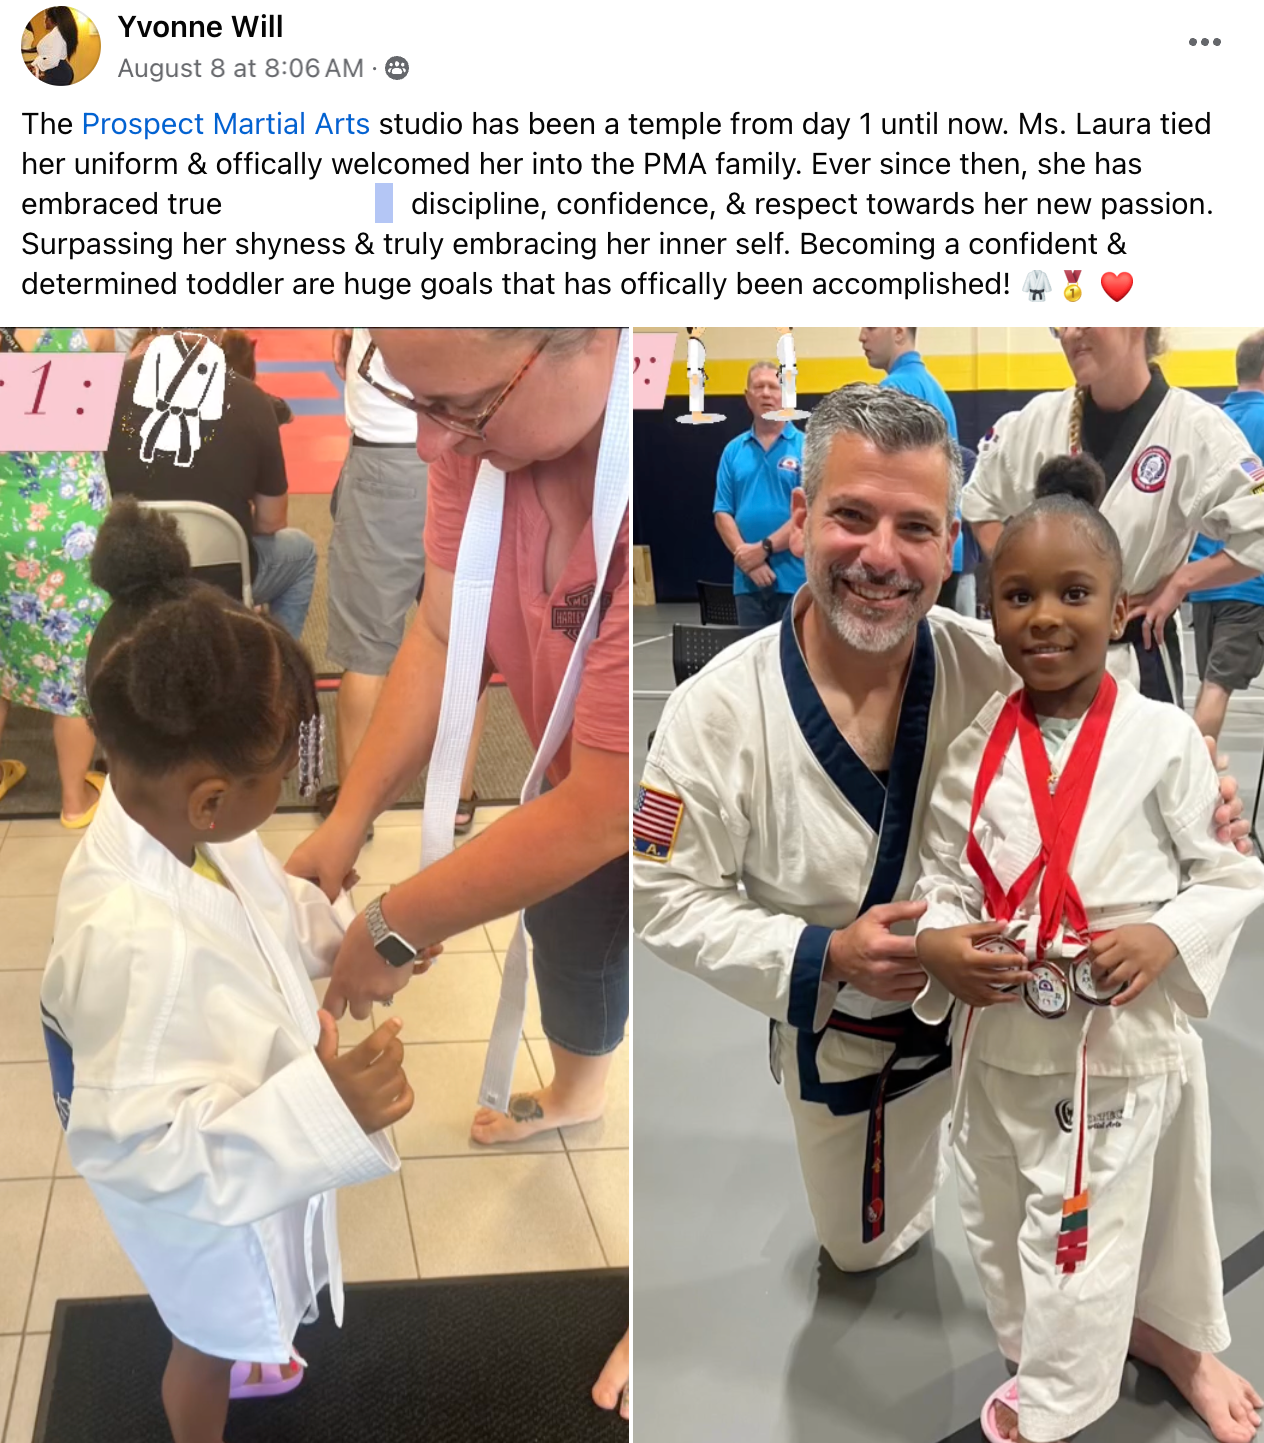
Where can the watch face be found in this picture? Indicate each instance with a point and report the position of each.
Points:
(396, 951)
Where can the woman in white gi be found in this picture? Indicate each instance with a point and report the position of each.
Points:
(1067, 858)
(202, 1093)
(1175, 466)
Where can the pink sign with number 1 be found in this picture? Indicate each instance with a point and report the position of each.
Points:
(652, 353)
(50, 401)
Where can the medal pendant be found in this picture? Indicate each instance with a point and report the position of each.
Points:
(1009, 951)
(1047, 994)
(1083, 983)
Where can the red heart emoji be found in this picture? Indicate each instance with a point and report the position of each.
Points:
(1116, 286)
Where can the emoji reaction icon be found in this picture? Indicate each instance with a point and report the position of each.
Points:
(1072, 292)
(397, 67)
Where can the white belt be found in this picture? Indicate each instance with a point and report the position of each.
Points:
(467, 644)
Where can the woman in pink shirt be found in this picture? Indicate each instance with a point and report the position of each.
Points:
(532, 404)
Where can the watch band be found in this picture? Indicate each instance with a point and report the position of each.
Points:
(768, 546)
(389, 945)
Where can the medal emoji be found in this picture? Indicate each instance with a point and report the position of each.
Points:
(1072, 292)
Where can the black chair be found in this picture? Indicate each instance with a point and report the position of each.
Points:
(717, 604)
(694, 646)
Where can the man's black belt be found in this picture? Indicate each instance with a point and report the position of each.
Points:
(910, 1037)
(1153, 674)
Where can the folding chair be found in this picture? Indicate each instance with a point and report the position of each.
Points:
(717, 604)
(213, 537)
(694, 646)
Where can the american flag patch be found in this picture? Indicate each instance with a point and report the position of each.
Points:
(655, 822)
(1253, 469)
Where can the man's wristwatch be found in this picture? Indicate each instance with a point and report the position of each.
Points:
(766, 543)
(390, 945)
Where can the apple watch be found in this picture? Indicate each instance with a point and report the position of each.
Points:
(390, 945)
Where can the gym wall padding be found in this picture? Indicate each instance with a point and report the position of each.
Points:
(674, 470)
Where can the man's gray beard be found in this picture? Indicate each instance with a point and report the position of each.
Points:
(857, 632)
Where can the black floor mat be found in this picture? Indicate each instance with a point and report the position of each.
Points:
(467, 1360)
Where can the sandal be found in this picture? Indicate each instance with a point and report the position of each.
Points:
(1007, 1393)
(466, 808)
(271, 1384)
(75, 824)
(11, 773)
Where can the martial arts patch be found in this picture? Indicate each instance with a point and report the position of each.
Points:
(1149, 470)
(1065, 1113)
(987, 440)
(655, 823)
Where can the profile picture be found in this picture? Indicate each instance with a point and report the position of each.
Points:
(60, 45)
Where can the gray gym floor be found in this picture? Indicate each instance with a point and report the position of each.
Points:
(745, 1332)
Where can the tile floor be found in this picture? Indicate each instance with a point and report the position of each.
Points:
(565, 1195)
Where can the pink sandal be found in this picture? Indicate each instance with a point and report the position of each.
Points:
(1007, 1393)
(271, 1384)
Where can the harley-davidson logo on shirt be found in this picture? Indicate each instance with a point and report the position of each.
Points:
(569, 618)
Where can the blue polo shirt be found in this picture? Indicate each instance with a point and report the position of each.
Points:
(1246, 410)
(909, 374)
(753, 486)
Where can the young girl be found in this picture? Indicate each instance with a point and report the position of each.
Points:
(202, 1093)
(1083, 909)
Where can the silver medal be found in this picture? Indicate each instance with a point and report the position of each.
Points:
(1086, 986)
(1047, 994)
(1009, 950)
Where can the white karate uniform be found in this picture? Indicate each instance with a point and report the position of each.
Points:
(695, 369)
(178, 406)
(1191, 471)
(209, 1132)
(1146, 852)
(1037, 286)
(787, 372)
(785, 835)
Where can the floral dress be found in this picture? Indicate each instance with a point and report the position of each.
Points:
(51, 505)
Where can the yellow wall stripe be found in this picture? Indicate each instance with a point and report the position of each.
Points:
(989, 371)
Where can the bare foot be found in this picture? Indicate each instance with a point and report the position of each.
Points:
(1227, 1403)
(529, 1113)
(613, 1387)
(1005, 1419)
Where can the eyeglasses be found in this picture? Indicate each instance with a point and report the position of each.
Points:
(1056, 332)
(472, 427)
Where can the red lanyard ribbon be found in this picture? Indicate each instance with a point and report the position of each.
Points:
(1058, 815)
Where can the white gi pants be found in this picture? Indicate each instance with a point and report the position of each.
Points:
(832, 1151)
(1152, 1248)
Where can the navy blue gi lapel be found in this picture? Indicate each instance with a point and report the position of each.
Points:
(906, 771)
(887, 810)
